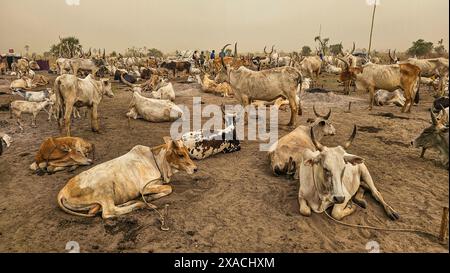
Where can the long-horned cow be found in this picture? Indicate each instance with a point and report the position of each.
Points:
(266, 85)
(329, 176)
(285, 155)
(388, 77)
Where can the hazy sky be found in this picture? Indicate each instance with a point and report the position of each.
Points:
(205, 24)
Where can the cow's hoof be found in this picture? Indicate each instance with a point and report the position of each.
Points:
(360, 202)
(392, 214)
(40, 172)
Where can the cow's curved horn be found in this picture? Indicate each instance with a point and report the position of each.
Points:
(223, 49)
(395, 55)
(351, 138)
(125, 81)
(314, 141)
(235, 50)
(272, 49)
(347, 65)
(353, 49)
(104, 54)
(265, 52)
(433, 118)
(326, 117)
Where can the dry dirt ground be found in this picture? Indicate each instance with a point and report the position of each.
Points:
(234, 203)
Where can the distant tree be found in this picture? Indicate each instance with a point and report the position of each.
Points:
(420, 48)
(323, 44)
(336, 49)
(440, 49)
(306, 51)
(228, 52)
(113, 54)
(67, 47)
(153, 52)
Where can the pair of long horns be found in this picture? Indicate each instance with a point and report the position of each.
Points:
(270, 51)
(326, 117)
(346, 145)
(393, 59)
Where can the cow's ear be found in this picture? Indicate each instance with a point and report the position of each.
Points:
(353, 159)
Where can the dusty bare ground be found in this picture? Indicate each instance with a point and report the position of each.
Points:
(234, 203)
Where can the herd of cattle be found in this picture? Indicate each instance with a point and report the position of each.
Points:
(329, 176)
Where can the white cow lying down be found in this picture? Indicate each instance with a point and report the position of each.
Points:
(113, 186)
(384, 97)
(153, 110)
(331, 177)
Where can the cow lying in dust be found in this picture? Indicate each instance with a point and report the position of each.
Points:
(153, 110)
(435, 137)
(201, 146)
(164, 91)
(332, 177)
(286, 154)
(61, 153)
(113, 186)
(384, 97)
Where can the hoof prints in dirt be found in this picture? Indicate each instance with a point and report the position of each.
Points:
(369, 129)
(129, 228)
(388, 115)
(392, 142)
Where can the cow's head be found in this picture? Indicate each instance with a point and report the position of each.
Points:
(322, 123)
(349, 72)
(332, 162)
(178, 157)
(432, 136)
(107, 87)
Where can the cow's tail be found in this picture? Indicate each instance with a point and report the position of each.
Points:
(417, 96)
(67, 210)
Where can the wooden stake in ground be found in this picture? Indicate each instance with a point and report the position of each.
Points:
(349, 108)
(444, 226)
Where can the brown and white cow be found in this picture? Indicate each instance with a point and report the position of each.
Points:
(285, 155)
(113, 187)
(331, 177)
(61, 153)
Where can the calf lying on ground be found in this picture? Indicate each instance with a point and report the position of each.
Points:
(153, 110)
(61, 153)
(210, 86)
(201, 145)
(330, 177)
(113, 187)
(5, 142)
(384, 97)
(164, 91)
(22, 83)
(19, 107)
(435, 137)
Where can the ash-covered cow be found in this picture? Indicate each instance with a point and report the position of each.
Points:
(153, 110)
(201, 145)
(61, 153)
(384, 97)
(286, 154)
(113, 187)
(434, 137)
(71, 91)
(331, 177)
